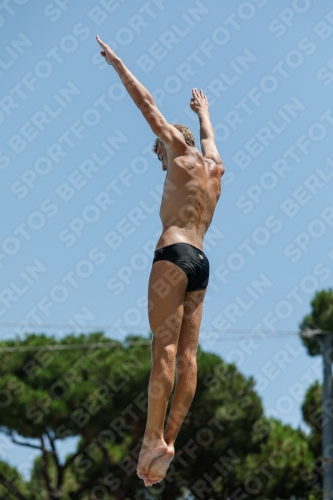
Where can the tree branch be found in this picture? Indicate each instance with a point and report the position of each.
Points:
(51, 440)
(26, 444)
(44, 466)
(60, 468)
(76, 454)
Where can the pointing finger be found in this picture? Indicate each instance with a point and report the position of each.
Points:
(102, 44)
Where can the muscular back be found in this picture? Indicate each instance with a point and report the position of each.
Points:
(191, 190)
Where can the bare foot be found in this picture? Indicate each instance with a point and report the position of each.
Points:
(148, 452)
(159, 466)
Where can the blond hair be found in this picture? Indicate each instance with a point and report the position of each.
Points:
(187, 134)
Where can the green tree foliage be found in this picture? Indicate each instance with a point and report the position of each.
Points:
(281, 467)
(312, 415)
(320, 318)
(12, 485)
(99, 396)
(50, 395)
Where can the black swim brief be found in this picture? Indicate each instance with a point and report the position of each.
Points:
(190, 259)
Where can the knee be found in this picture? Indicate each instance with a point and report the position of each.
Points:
(164, 354)
(186, 363)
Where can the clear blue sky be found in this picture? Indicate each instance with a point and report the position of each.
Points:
(81, 189)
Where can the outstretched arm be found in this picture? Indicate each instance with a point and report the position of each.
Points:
(168, 134)
(199, 104)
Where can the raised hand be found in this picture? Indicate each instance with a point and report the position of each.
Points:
(199, 102)
(108, 54)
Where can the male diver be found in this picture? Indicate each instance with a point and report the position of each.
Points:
(180, 270)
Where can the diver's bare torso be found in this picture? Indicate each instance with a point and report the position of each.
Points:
(191, 190)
